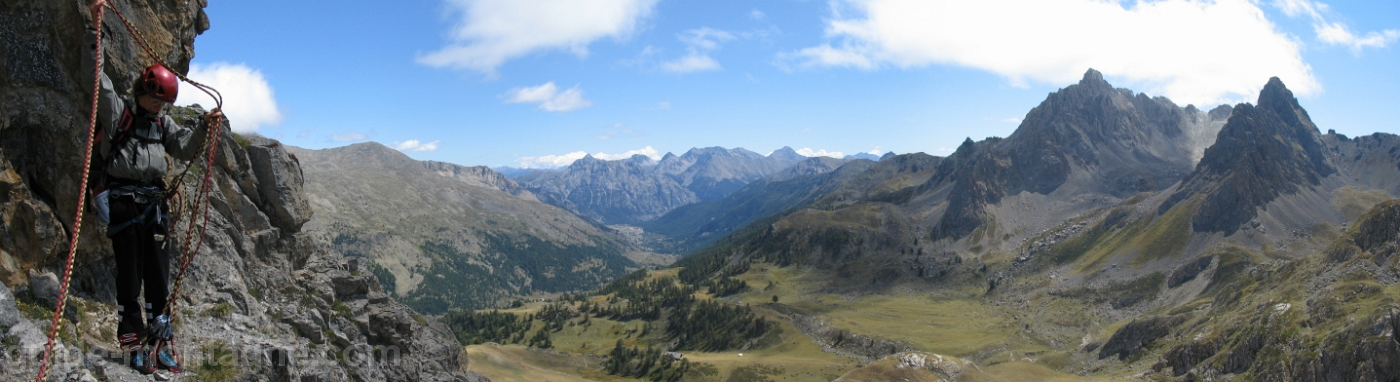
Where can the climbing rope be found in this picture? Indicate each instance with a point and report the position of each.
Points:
(78, 219)
(197, 207)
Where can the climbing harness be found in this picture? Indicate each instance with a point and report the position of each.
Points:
(183, 210)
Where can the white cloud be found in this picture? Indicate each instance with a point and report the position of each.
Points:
(693, 62)
(349, 137)
(1336, 33)
(757, 14)
(557, 161)
(700, 42)
(807, 152)
(551, 161)
(1192, 51)
(490, 32)
(647, 151)
(415, 145)
(248, 100)
(876, 151)
(549, 97)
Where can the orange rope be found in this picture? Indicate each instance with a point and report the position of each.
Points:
(78, 218)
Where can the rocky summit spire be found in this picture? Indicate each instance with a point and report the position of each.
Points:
(1263, 152)
(1277, 98)
(1092, 77)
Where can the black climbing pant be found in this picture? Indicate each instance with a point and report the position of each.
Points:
(141, 262)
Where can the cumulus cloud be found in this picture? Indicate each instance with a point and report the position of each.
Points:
(551, 161)
(807, 152)
(647, 151)
(549, 97)
(699, 44)
(415, 145)
(349, 137)
(1200, 52)
(490, 32)
(248, 99)
(1336, 33)
(557, 161)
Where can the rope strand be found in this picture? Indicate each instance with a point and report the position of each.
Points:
(54, 325)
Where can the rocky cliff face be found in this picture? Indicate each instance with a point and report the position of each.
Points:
(480, 176)
(262, 300)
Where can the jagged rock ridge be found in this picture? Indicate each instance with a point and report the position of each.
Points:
(637, 189)
(1122, 144)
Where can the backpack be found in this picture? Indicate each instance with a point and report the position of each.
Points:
(97, 166)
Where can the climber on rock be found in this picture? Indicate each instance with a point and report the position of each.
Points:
(134, 136)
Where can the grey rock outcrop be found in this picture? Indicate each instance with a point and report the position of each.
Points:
(44, 286)
(279, 184)
(1138, 336)
(480, 176)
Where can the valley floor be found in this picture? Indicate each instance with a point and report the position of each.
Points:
(993, 339)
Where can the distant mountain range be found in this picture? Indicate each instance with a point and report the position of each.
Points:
(638, 189)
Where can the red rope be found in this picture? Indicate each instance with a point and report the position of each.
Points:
(78, 215)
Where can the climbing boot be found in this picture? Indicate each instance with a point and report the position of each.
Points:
(166, 359)
(141, 360)
(136, 354)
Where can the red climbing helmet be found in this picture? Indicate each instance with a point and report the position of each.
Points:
(159, 82)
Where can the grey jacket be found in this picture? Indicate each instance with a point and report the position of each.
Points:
(142, 156)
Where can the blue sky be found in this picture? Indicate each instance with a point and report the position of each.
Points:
(538, 83)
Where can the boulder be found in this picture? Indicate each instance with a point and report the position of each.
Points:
(44, 286)
(279, 185)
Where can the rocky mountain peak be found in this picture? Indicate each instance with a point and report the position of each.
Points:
(641, 160)
(1276, 97)
(1220, 113)
(787, 154)
(587, 161)
(1261, 153)
(1093, 77)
